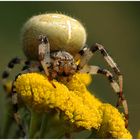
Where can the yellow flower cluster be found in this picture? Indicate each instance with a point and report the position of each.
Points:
(113, 123)
(80, 107)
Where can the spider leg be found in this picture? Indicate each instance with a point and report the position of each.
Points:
(16, 115)
(44, 53)
(10, 66)
(97, 70)
(85, 55)
(26, 68)
(14, 95)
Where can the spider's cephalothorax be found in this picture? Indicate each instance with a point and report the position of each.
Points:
(62, 64)
(57, 64)
(55, 51)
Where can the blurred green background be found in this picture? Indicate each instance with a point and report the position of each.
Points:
(116, 25)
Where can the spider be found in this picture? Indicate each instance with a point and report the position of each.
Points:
(61, 65)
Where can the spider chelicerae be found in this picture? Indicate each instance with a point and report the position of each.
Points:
(61, 65)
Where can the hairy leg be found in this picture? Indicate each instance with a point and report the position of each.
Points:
(85, 55)
(97, 70)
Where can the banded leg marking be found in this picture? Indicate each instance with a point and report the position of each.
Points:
(112, 64)
(17, 117)
(10, 66)
(97, 70)
(94, 70)
(27, 67)
(86, 53)
(115, 68)
(44, 53)
(15, 110)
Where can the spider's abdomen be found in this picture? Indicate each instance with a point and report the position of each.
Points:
(62, 64)
(64, 33)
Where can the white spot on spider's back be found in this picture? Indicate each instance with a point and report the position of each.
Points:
(56, 16)
(69, 31)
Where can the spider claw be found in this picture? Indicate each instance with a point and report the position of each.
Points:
(122, 101)
(126, 120)
(53, 85)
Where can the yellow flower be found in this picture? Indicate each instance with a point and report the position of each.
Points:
(84, 78)
(113, 125)
(37, 92)
(80, 107)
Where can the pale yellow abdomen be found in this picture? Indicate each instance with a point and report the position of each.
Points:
(63, 32)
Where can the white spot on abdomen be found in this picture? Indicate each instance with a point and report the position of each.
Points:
(69, 31)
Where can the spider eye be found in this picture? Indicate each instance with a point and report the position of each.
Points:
(43, 39)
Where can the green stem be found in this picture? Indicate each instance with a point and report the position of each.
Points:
(35, 123)
(51, 126)
(47, 122)
(44, 124)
